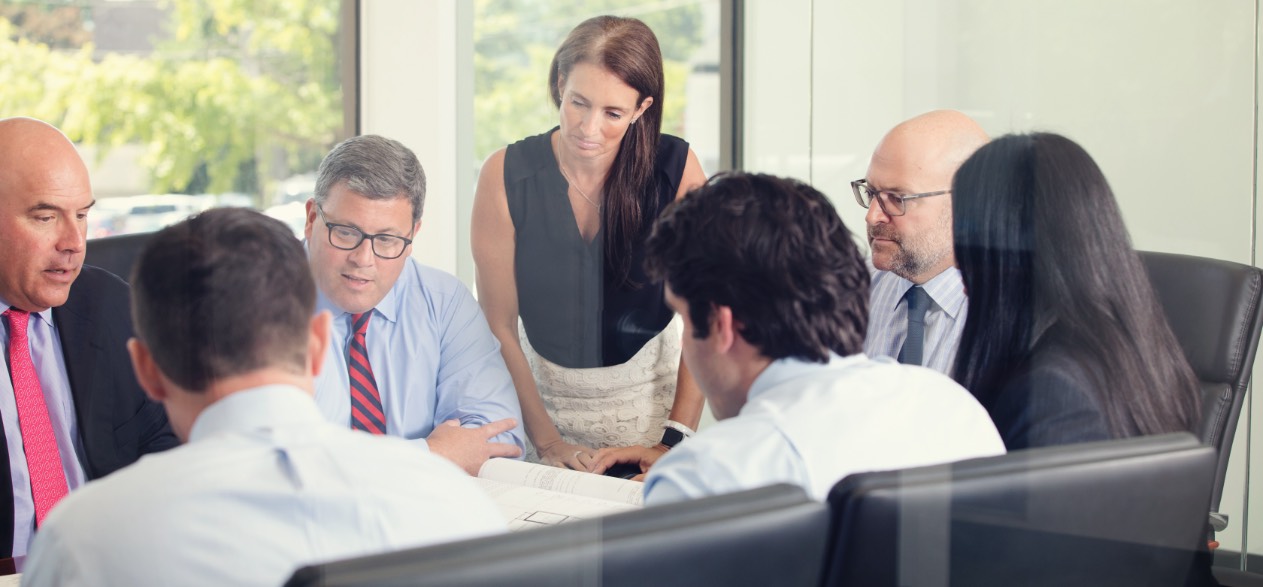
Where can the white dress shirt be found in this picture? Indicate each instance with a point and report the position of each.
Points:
(263, 486)
(812, 424)
(944, 321)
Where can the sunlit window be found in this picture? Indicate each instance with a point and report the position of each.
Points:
(515, 41)
(181, 105)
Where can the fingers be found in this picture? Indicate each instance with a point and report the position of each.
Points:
(496, 428)
(577, 457)
(604, 459)
(503, 449)
(640, 477)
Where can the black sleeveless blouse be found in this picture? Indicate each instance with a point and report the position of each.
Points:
(575, 315)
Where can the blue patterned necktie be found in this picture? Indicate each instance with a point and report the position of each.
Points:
(913, 345)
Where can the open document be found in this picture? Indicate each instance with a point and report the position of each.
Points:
(532, 495)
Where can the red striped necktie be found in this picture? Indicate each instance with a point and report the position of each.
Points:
(43, 459)
(366, 403)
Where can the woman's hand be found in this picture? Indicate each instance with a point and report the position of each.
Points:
(560, 453)
(642, 456)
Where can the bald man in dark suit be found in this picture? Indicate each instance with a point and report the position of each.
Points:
(70, 408)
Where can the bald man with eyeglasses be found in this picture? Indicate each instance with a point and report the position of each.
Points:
(918, 302)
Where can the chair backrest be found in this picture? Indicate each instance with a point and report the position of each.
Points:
(116, 254)
(768, 536)
(1214, 308)
(1118, 512)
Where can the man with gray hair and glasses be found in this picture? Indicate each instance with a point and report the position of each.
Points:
(412, 354)
(917, 305)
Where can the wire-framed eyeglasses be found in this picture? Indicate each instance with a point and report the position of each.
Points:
(891, 204)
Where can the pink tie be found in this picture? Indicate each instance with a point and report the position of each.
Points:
(48, 481)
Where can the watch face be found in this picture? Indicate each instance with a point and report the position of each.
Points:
(671, 437)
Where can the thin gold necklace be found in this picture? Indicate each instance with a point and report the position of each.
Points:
(576, 186)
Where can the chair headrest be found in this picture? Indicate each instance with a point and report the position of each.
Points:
(1213, 308)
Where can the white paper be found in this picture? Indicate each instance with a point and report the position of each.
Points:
(564, 481)
(531, 495)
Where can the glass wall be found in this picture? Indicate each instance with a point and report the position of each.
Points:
(181, 105)
(514, 42)
(1161, 93)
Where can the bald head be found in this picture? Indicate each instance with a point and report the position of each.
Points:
(33, 151)
(919, 156)
(931, 146)
(44, 200)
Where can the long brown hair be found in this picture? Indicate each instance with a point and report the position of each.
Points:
(628, 49)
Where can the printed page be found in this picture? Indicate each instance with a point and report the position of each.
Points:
(529, 507)
(564, 480)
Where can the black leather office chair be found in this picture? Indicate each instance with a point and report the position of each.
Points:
(116, 254)
(1215, 310)
(768, 536)
(1119, 512)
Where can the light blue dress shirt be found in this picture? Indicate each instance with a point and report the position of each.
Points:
(811, 424)
(263, 486)
(50, 366)
(944, 321)
(433, 357)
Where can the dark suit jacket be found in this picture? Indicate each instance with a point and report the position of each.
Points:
(117, 423)
(1049, 402)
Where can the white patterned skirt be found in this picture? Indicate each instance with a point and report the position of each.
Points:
(621, 405)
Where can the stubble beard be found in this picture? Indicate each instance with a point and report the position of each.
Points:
(918, 254)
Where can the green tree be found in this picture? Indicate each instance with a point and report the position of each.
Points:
(240, 90)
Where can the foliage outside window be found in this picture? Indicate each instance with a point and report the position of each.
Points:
(225, 96)
(514, 42)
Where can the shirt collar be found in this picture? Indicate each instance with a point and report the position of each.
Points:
(782, 370)
(946, 289)
(46, 316)
(257, 408)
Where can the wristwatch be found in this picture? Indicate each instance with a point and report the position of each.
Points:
(671, 437)
(673, 432)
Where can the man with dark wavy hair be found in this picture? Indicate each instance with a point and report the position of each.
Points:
(774, 295)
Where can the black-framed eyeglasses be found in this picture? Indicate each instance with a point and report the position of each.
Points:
(348, 238)
(890, 202)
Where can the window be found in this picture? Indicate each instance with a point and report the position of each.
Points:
(181, 105)
(514, 42)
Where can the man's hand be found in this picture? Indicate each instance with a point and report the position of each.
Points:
(469, 448)
(645, 457)
(565, 455)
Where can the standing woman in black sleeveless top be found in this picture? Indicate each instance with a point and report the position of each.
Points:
(559, 225)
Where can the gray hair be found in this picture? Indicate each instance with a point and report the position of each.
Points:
(377, 168)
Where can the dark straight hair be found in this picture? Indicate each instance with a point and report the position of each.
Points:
(1045, 257)
(628, 49)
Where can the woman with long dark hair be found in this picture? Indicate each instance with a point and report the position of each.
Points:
(1065, 340)
(559, 225)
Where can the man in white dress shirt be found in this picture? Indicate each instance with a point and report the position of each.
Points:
(773, 292)
(907, 193)
(227, 342)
